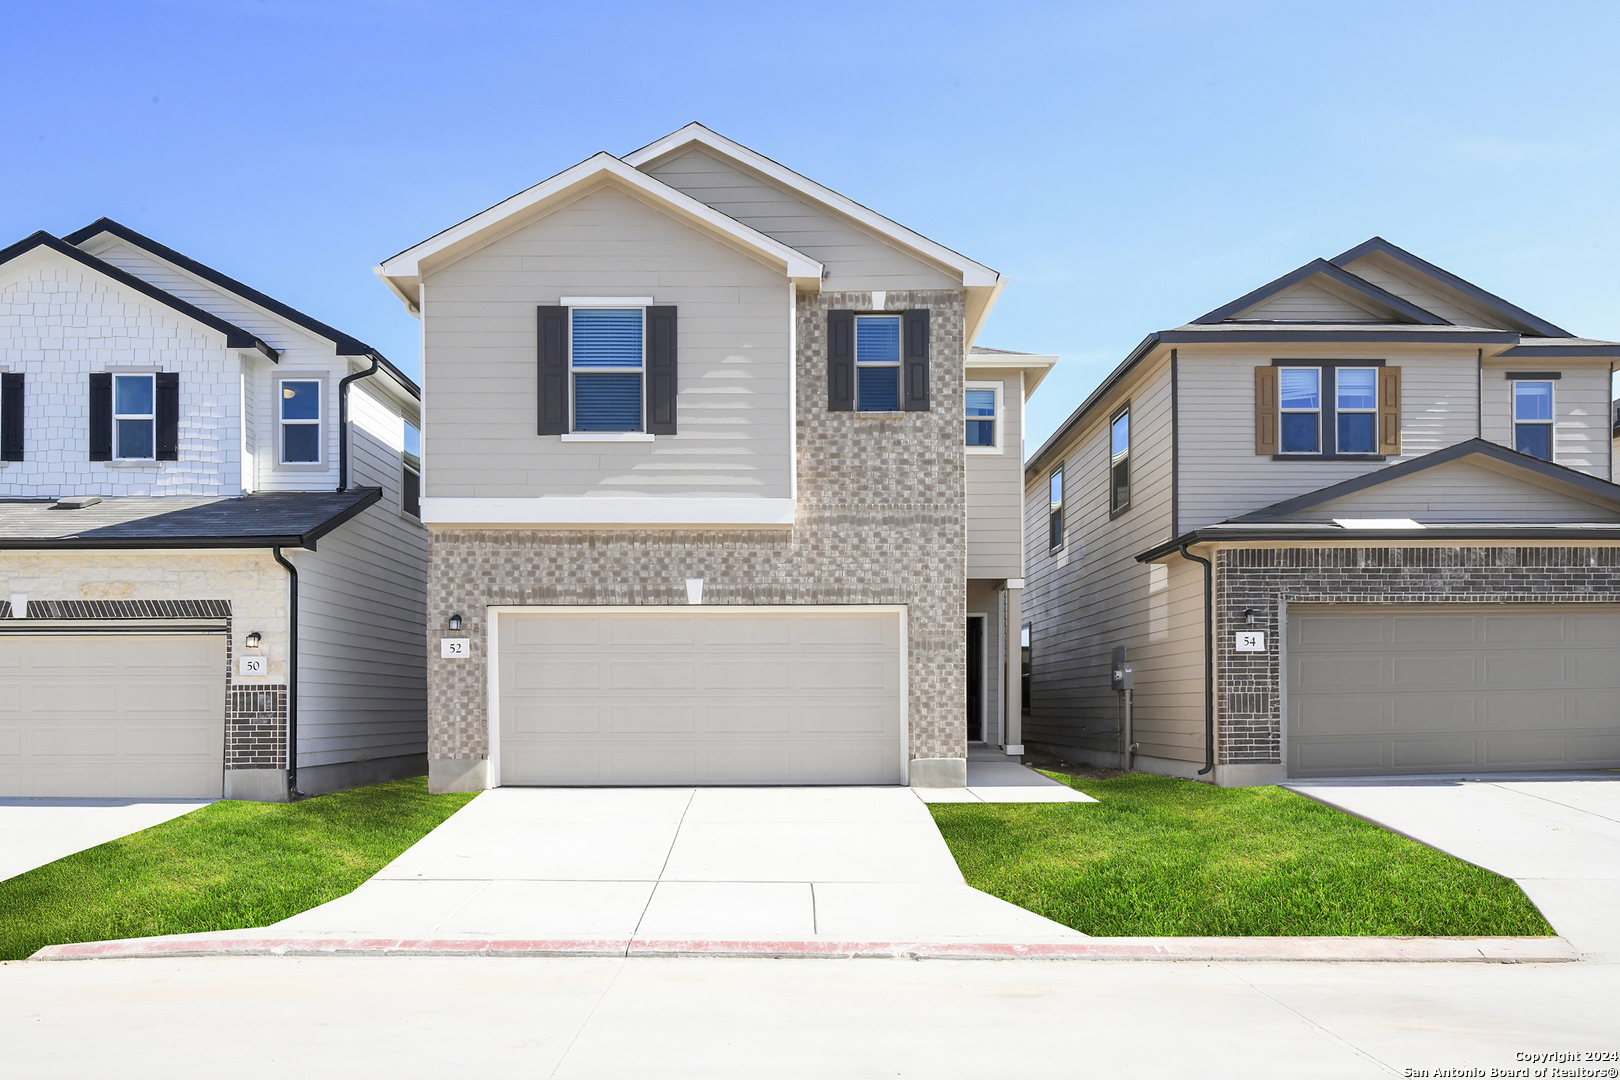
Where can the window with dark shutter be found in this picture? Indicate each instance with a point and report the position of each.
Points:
(841, 361)
(168, 416)
(101, 416)
(552, 371)
(11, 416)
(662, 383)
(915, 360)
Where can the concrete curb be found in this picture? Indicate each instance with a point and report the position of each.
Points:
(1490, 950)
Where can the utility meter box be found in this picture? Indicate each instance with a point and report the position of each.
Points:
(1120, 674)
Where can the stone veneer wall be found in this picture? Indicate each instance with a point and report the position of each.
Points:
(881, 511)
(1248, 691)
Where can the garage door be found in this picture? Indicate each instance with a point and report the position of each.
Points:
(751, 696)
(135, 715)
(1382, 689)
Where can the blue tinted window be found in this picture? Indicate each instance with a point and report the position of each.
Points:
(1358, 433)
(1358, 388)
(607, 401)
(1299, 433)
(135, 438)
(1533, 439)
(132, 396)
(1300, 388)
(300, 400)
(607, 337)
(981, 403)
(877, 340)
(1121, 434)
(1532, 401)
(301, 443)
(877, 389)
(981, 433)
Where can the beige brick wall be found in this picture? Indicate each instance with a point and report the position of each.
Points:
(881, 511)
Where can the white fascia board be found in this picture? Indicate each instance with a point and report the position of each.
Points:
(1036, 368)
(974, 274)
(619, 513)
(405, 269)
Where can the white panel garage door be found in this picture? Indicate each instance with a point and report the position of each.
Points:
(676, 696)
(1384, 689)
(130, 715)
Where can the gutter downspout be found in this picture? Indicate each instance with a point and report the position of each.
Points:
(1209, 660)
(1479, 398)
(343, 421)
(292, 676)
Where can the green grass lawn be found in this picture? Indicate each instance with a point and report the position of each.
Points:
(1162, 857)
(226, 866)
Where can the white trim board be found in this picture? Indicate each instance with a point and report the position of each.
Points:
(654, 513)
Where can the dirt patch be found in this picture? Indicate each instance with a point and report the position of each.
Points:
(1053, 763)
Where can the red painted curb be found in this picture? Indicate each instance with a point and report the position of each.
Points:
(1343, 949)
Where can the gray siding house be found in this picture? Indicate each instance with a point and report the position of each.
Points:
(1360, 521)
(720, 489)
(212, 568)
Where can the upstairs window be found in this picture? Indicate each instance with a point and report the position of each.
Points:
(410, 481)
(1300, 402)
(982, 422)
(606, 362)
(1119, 463)
(877, 363)
(300, 426)
(134, 417)
(1533, 419)
(1054, 519)
(1357, 411)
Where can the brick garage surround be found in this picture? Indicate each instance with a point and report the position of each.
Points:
(1248, 691)
(881, 520)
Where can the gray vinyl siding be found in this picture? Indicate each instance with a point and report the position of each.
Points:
(1092, 595)
(855, 259)
(362, 612)
(1222, 476)
(1387, 275)
(735, 330)
(983, 597)
(1582, 435)
(1307, 303)
(994, 483)
(1459, 491)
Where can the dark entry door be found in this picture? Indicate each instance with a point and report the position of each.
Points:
(975, 678)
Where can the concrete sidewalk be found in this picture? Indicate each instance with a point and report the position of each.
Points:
(1557, 836)
(998, 779)
(737, 864)
(34, 832)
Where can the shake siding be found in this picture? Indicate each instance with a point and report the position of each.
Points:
(301, 352)
(1460, 491)
(1222, 476)
(855, 259)
(479, 360)
(1093, 595)
(1307, 303)
(362, 609)
(1582, 434)
(994, 482)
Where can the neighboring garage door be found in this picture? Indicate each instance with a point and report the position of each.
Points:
(676, 696)
(118, 714)
(1383, 689)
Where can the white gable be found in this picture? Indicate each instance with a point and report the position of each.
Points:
(1409, 285)
(1466, 490)
(1308, 302)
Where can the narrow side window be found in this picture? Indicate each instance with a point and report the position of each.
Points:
(1119, 462)
(134, 401)
(1024, 650)
(1054, 519)
(410, 481)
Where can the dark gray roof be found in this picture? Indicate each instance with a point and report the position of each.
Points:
(263, 519)
(1563, 346)
(983, 350)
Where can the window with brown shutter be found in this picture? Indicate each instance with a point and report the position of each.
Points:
(1389, 411)
(1265, 410)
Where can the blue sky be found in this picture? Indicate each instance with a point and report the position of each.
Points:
(1127, 166)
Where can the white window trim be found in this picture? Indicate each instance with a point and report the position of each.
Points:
(898, 364)
(1340, 410)
(641, 304)
(406, 467)
(1551, 424)
(276, 422)
(1321, 437)
(150, 377)
(606, 301)
(1000, 392)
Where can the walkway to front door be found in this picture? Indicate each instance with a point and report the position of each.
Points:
(841, 864)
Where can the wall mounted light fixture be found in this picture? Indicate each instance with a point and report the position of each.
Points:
(1248, 615)
(455, 623)
(254, 640)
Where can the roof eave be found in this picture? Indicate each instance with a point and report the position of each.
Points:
(1334, 534)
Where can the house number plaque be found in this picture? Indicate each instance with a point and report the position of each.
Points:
(1250, 641)
(454, 648)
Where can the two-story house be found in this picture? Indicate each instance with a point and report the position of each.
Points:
(212, 569)
(1359, 521)
(719, 490)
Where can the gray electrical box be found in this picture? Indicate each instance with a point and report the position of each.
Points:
(1120, 674)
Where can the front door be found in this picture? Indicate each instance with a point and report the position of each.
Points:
(975, 678)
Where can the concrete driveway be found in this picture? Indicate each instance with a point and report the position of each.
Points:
(1557, 835)
(679, 864)
(34, 832)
